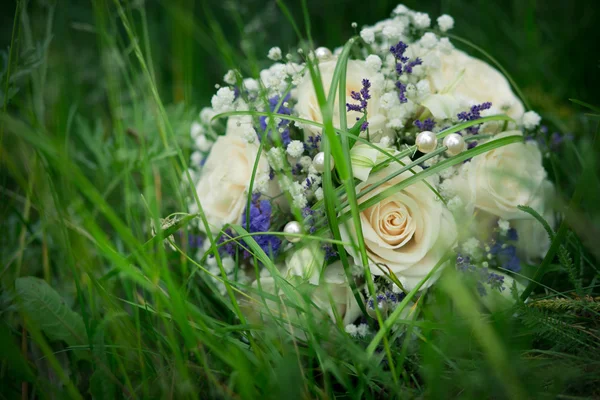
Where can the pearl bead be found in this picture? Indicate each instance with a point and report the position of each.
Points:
(319, 162)
(323, 52)
(294, 228)
(455, 144)
(426, 142)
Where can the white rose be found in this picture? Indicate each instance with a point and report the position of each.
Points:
(506, 177)
(533, 241)
(330, 292)
(475, 81)
(225, 178)
(409, 231)
(308, 106)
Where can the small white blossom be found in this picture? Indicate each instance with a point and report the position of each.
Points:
(196, 130)
(385, 142)
(373, 62)
(445, 45)
(229, 77)
(429, 40)
(400, 9)
(389, 100)
(423, 88)
(249, 134)
(531, 119)
(275, 157)
(352, 330)
(392, 31)
(196, 158)
(295, 148)
(305, 162)
(202, 143)
(421, 20)
(251, 85)
(445, 22)
(223, 100)
(455, 204)
(363, 330)
(411, 92)
(395, 123)
(206, 115)
(228, 264)
(471, 247)
(274, 54)
(261, 183)
(368, 35)
(319, 194)
(504, 226)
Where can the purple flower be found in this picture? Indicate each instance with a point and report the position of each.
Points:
(362, 97)
(473, 114)
(403, 65)
(426, 125)
(273, 101)
(260, 221)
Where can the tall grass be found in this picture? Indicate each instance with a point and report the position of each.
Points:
(97, 101)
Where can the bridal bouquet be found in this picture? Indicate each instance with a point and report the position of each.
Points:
(353, 178)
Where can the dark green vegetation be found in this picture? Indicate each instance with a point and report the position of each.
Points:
(97, 100)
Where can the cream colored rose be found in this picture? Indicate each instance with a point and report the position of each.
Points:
(225, 178)
(331, 294)
(474, 81)
(308, 106)
(506, 177)
(409, 231)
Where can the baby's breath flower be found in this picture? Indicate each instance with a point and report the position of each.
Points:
(229, 77)
(368, 35)
(196, 130)
(400, 9)
(202, 143)
(275, 157)
(305, 162)
(503, 226)
(531, 119)
(251, 85)
(206, 115)
(445, 22)
(196, 158)
(295, 148)
(352, 330)
(374, 62)
(319, 194)
(421, 20)
(445, 45)
(223, 100)
(274, 54)
(249, 134)
(471, 247)
(363, 330)
(429, 40)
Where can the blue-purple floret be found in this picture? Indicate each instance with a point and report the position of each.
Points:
(426, 125)
(313, 143)
(481, 275)
(403, 65)
(260, 221)
(330, 251)
(273, 101)
(473, 114)
(362, 97)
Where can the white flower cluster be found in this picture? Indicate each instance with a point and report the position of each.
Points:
(405, 85)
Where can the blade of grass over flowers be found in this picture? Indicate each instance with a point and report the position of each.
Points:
(395, 315)
(154, 91)
(351, 195)
(343, 168)
(484, 333)
(329, 195)
(439, 167)
(586, 105)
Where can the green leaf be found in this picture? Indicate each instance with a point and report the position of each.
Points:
(44, 307)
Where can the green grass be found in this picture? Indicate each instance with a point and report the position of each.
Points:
(97, 101)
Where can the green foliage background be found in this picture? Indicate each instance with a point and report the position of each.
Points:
(97, 100)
